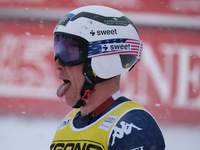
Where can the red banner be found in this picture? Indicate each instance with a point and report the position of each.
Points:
(166, 81)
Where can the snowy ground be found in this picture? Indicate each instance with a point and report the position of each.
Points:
(20, 133)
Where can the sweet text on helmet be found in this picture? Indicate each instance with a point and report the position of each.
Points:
(103, 32)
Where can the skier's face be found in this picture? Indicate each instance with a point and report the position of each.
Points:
(73, 80)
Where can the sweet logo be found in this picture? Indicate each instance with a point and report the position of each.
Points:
(103, 32)
(116, 46)
(105, 47)
(92, 33)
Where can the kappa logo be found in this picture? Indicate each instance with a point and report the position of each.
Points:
(104, 32)
(125, 129)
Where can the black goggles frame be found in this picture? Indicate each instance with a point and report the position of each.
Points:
(82, 45)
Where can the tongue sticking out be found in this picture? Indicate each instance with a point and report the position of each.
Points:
(62, 89)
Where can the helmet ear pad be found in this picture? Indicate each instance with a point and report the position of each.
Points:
(108, 66)
(89, 74)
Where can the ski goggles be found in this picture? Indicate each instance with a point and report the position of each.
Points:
(71, 50)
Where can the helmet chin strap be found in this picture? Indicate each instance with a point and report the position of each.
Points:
(91, 79)
(86, 90)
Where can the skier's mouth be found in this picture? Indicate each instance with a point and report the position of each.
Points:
(62, 89)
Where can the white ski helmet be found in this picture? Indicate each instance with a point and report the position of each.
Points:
(103, 34)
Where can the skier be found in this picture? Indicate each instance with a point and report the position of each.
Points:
(93, 46)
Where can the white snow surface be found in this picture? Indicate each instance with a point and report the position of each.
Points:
(23, 133)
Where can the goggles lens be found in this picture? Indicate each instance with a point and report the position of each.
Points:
(67, 49)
